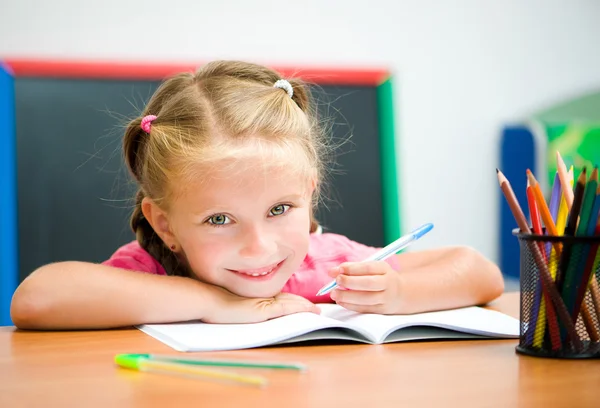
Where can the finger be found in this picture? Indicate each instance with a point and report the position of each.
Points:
(358, 297)
(283, 306)
(333, 272)
(364, 268)
(371, 283)
(290, 297)
(362, 308)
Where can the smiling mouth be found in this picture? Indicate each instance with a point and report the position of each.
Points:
(258, 273)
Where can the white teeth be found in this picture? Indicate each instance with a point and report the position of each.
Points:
(259, 274)
(262, 274)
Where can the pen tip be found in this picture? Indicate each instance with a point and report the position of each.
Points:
(497, 171)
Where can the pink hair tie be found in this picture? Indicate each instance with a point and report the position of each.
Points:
(146, 124)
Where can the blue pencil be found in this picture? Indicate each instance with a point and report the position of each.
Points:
(386, 252)
(554, 204)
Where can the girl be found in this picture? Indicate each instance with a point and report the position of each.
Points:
(229, 163)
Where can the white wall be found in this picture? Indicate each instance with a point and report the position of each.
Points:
(463, 68)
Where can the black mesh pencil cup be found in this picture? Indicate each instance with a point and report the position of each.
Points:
(560, 296)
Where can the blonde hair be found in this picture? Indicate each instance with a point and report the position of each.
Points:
(224, 105)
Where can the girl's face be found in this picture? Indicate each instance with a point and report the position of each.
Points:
(244, 227)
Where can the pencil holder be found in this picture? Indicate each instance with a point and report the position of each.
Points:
(560, 296)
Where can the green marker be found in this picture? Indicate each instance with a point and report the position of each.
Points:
(219, 362)
(139, 362)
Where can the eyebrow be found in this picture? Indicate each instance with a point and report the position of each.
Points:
(290, 197)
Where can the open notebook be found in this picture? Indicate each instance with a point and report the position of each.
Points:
(336, 323)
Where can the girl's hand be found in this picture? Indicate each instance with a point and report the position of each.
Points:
(231, 308)
(367, 287)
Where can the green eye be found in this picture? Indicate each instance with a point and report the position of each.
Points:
(218, 219)
(279, 209)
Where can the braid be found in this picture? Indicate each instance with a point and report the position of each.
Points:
(151, 242)
(314, 224)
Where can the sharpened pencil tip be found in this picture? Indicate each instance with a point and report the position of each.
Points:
(501, 177)
(531, 178)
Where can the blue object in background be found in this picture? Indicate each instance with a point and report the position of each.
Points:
(517, 154)
(8, 196)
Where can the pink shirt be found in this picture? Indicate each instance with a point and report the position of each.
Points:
(325, 251)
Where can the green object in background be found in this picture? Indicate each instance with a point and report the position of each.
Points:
(573, 128)
(578, 144)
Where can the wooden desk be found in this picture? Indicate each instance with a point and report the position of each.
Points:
(63, 369)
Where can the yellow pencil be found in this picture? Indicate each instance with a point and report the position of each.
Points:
(186, 370)
(563, 209)
(540, 327)
(571, 176)
(561, 223)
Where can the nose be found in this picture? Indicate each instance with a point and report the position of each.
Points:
(256, 242)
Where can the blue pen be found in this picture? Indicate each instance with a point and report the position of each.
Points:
(386, 252)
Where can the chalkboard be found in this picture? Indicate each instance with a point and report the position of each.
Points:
(75, 196)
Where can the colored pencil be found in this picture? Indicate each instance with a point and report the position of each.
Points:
(563, 213)
(553, 300)
(564, 180)
(579, 254)
(588, 280)
(550, 230)
(538, 308)
(555, 199)
(543, 209)
(559, 212)
(534, 214)
(561, 223)
(571, 227)
(538, 311)
(571, 176)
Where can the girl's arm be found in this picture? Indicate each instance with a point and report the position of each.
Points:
(447, 278)
(430, 280)
(78, 295)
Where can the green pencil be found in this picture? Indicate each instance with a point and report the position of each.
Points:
(580, 251)
(221, 362)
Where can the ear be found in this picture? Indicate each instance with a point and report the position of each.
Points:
(159, 221)
(312, 185)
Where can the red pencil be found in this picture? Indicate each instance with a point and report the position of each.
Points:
(534, 214)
